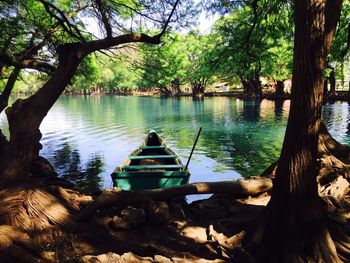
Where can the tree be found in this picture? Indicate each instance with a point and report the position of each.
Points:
(254, 41)
(199, 51)
(339, 51)
(25, 115)
(163, 67)
(296, 228)
(183, 59)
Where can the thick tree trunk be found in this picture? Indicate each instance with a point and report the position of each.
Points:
(279, 88)
(252, 87)
(296, 223)
(198, 90)
(25, 117)
(164, 91)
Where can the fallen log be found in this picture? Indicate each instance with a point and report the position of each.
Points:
(110, 198)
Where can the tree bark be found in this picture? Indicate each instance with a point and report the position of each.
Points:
(296, 229)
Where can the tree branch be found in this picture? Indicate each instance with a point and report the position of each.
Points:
(107, 43)
(168, 20)
(104, 18)
(332, 16)
(6, 60)
(4, 96)
(63, 21)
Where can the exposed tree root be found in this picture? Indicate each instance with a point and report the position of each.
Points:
(29, 208)
(117, 197)
(16, 246)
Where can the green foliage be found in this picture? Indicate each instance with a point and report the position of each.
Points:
(339, 55)
(108, 73)
(182, 57)
(251, 41)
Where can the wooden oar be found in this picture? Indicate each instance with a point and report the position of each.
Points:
(194, 145)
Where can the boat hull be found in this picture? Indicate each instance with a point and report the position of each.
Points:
(149, 180)
(152, 165)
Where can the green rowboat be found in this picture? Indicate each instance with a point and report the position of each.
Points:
(152, 165)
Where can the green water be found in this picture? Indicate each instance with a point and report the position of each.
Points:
(85, 138)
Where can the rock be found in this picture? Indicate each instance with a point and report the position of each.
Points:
(131, 257)
(161, 259)
(199, 234)
(158, 212)
(103, 258)
(48, 256)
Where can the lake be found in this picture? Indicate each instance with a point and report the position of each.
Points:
(85, 138)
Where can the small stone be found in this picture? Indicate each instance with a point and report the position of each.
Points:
(49, 256)
(161, 259)
(103, 258)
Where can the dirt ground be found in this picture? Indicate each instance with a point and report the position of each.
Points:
(154, 232)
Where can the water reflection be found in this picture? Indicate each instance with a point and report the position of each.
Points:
(85, 138)
(337, 119)
(68, 164)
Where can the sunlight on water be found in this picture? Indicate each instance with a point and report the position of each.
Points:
(85, 138)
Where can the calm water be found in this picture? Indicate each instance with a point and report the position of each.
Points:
(85, 138)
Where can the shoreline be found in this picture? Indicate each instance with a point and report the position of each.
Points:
(338, 96)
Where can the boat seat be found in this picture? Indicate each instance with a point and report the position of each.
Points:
(152, 147)
(140, 157)
(146, 167)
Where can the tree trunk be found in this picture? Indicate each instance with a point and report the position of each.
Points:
(175, 87)
(325, 87)
(198, 90)
(164, 91)
(25, 117)
(332, 82)
(252, 87)
(279, 88)
(296, 221)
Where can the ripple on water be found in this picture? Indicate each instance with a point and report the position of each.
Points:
(94, 134)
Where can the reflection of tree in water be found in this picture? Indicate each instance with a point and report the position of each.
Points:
(242, 144)
(279, 109)
(251, 110)
(68, 165)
